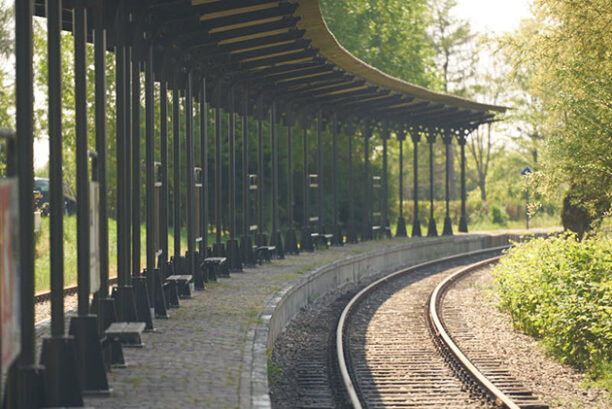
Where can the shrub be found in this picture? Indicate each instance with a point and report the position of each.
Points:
(560, 290)
(497, 215)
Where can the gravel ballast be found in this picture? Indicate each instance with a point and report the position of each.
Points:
(559, 385)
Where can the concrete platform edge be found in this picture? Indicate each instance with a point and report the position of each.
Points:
(282, 306)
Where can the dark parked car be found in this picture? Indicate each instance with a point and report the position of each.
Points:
(42, 185)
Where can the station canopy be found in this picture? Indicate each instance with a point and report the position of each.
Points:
(284, 50)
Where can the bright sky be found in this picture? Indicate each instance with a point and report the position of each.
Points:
(495, 16)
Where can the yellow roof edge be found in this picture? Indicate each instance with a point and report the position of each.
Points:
(322, 39)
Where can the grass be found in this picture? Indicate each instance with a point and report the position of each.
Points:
(43, 261)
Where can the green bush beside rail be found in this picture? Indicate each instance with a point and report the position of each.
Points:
(559, 290)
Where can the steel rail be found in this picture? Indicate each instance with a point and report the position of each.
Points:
(442, 334)
(347, 380)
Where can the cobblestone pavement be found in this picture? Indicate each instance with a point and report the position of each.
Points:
(196, 358)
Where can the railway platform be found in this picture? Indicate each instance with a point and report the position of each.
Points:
(212, 351)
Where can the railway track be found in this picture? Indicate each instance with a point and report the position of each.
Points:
(394, 348)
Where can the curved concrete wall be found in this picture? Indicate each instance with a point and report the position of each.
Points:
(282, 307)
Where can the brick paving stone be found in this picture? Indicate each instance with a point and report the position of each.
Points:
(195, 359)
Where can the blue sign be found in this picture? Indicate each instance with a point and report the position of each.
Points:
(526, 171)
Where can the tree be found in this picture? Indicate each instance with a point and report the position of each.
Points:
(391, 35)
(564, 54)
(451, 38)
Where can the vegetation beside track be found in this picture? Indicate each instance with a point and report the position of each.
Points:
(559, 289)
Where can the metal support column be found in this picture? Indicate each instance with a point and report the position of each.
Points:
(448, 224)
(338, 239)
(58, 356)
(367, 185)
(218, 247)
(194, 270)
(351, 233)
(320, 227)
(233, 251)
(463, 228)
(416, 223)
(142, 288)
(385, 179)
(123, 294)
(305, 234)
(24, 383)
(401, 221)
(246, 243)
(84, 327)
(432, 230)
(105, 309)
(204, 164)
(135, 182)
(176, 186)
(290, 237)
(275, 235)
(161, 304)
(260, 237)
(156, 303)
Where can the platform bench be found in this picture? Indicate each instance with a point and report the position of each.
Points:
(321, 238)
(127, 333)
(264, 253)
(182, 283)
(216, 267)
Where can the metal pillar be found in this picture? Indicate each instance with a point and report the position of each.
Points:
(106, 311)
(195, 271)
(218, 248)
(260, 237)
(290, 237)
(84, 327)
(139, 282)
(124, 292)
(24, 382)
(305, 234)
(401, 221)
(432, 230)
(163, 147)
(367, 185)
(321, 228)
(275, 235)
(463, 228)
(58, 356)
(448, 224)
(338, 239)
(176, 187)
(135, 182)
(416, 223)
(153, 280)
(246, 244)
(351, 233)
(204, 164)
(233, 251)
(385, 180)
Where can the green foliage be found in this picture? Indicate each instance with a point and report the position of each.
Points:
(559, 289)
(561, 59)
(497, 215)
(388, 34)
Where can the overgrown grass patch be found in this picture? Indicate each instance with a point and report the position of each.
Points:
(559, 290)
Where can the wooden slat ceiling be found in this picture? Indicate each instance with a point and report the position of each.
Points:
(284, 49)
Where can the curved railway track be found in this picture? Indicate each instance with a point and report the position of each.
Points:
(394, 348)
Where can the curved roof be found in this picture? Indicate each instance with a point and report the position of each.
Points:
(283, 49)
